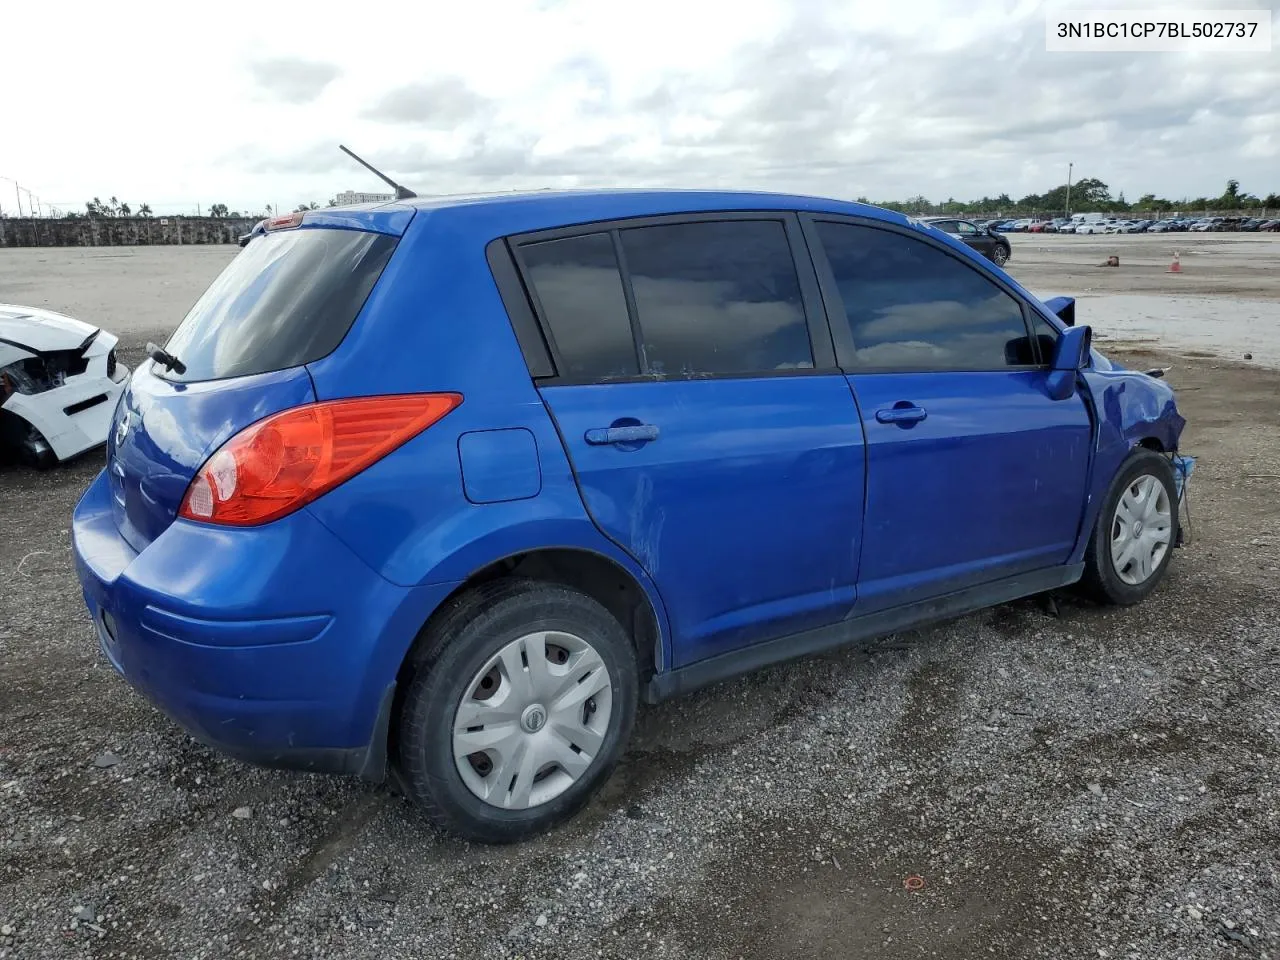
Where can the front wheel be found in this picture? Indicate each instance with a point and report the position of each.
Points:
(1000, 255)
(1133, 537)
(519, 710)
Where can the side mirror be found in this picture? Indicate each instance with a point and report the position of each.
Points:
(1069, 357)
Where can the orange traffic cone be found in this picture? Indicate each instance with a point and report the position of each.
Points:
(1176, 266)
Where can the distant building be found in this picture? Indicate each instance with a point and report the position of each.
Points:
(347, 197)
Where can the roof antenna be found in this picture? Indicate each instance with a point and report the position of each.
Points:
(402, 193)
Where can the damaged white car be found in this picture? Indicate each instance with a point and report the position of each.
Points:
(59, 382)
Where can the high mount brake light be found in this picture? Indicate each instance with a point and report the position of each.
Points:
(284, 222)
(285, 461)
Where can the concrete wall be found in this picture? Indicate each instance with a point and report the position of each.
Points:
(119, 231)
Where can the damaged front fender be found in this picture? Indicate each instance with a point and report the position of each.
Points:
(1131, 409)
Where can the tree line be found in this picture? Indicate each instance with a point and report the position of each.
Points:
(109, 208)
(1086, 195)
(97, 208)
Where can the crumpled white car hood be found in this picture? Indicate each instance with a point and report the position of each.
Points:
(39, 331)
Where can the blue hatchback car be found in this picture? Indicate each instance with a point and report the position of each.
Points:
(438, 490)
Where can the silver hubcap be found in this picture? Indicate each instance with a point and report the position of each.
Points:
(1141, 530)
(1000, 255)
(532, 720)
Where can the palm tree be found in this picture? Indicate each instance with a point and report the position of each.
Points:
(115, 206)
(125, 211)
(144, 210)
(218, 210)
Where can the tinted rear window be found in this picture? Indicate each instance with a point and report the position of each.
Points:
(287, 299)
(580, 292)
(717, 297)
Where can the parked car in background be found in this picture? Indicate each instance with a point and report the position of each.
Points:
(1206, 224)
(508, 465)
(991, 244)
(1269, 226)
(59, 382)
(1093, 227)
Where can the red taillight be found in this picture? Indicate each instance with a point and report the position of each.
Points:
(289, 459)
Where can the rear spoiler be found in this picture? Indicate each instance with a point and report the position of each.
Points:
(1064, 308)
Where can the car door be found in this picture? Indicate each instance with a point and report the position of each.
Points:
(974, 473)
(971, 235)
(710, 432)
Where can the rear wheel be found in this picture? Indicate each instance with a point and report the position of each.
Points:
(519, 712)
(1000, 255)
(1134, 534)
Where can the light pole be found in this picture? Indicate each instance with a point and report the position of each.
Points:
(1069, 166)
(16, 192)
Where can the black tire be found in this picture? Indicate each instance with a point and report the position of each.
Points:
(457, 644)
(1000, 255)
(1101, 581)
(23, 443)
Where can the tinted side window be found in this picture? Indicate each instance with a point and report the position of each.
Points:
(912, 307)
(717, 297)
(579, 289)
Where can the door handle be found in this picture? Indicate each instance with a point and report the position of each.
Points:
(601, 436)
(908, 414)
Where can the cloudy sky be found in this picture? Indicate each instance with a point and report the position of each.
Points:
(245, 103)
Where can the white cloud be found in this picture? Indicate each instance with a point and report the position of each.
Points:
(245, 103)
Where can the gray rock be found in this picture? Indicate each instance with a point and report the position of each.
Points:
(1095, 789)
(105, 760)
(541, 921)
(83, 914)
(242, 813)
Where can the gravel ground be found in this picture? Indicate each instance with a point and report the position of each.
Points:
(1097, 782)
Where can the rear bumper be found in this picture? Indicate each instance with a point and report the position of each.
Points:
(274, 644)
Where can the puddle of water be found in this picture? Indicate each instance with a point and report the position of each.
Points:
(1225, 327)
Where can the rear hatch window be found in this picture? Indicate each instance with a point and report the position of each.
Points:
(288, 298)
